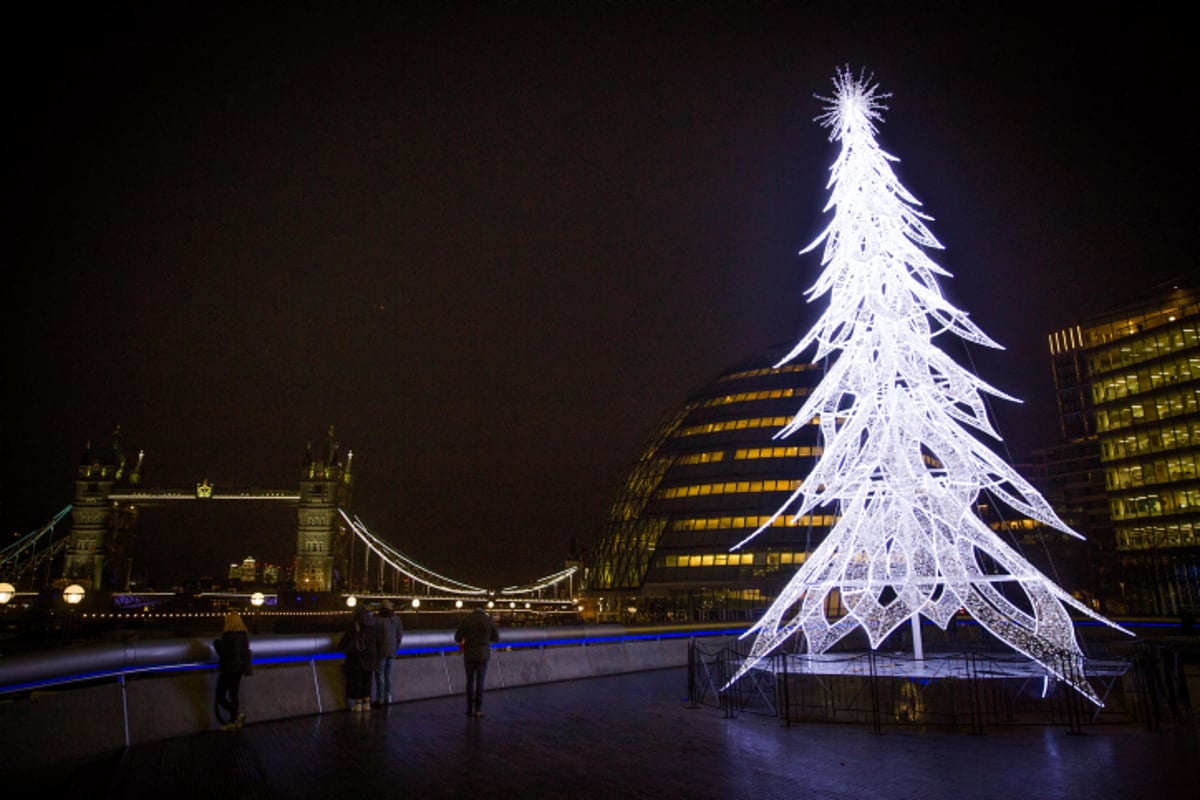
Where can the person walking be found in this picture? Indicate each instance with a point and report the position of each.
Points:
(475, 635)
(389, 632)
(358, 646)
(233, 661)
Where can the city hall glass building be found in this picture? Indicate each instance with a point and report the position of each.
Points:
(710, 475)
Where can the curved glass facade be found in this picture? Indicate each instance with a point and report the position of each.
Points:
(709, 476)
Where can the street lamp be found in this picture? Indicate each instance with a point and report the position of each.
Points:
(416, 603)
(351, 601)
(6, 593)
(73, 594)
(256, 599)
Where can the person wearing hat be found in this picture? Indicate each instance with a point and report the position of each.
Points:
(389, 632)
(233, 661)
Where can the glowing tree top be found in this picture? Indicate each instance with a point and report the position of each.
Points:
(900, 461)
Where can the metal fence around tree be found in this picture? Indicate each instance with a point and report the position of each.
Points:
(971, 686)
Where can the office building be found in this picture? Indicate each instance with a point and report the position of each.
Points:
(1128, 383)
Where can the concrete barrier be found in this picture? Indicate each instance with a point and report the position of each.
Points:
(63, 715)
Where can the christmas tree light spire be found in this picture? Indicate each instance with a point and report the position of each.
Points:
(899, 460)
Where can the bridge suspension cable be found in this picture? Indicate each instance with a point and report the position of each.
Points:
(405, 565)
(433, 580)
(21, 560)
(541, 584)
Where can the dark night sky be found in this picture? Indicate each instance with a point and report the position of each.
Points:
(493, 244)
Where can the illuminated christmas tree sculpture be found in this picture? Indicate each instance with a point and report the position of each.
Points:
(899, 461)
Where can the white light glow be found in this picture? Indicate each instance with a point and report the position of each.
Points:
(406, 566)
(427, 577)
(899, 462)
(542, 583)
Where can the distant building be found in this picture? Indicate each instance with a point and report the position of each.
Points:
(325, 486)
(709, 476)
(1128, 384)
(97, 554)
(249, 570)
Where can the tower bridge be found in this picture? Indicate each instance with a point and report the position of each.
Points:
(334, 550)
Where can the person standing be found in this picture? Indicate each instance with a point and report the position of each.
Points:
(358, 646)
(233, 661)
(389, 632)
(475, 635)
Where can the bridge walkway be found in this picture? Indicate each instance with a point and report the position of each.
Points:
(627, 736)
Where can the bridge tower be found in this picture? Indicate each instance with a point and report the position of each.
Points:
(95, 519)
(325, 486)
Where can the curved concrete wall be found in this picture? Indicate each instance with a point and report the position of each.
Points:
(153, 690)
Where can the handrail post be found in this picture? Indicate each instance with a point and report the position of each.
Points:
(876, 722)
(692, 671)
(787, 694)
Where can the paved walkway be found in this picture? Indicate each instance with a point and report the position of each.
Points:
(630, 736)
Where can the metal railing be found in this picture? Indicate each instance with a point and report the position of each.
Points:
(106, 661)
(971, 690)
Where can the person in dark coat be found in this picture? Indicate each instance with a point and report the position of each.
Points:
(358, 645)
(475, 635)
(233, 661)
(389, 632)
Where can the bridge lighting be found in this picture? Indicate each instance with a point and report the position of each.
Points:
(73, 594)
(458, 603)
(351, 601)
(6, 592)
(257, 599)
(416, 603)
(406, 566)
(491, 603)
(429, 579)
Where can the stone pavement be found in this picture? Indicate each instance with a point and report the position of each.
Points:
(627, 736)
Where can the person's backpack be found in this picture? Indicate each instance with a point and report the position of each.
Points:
(354, 646)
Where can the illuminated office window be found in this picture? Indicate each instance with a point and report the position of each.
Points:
(731, 425)
(702, 458)
(775, 452)
(746, 397)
